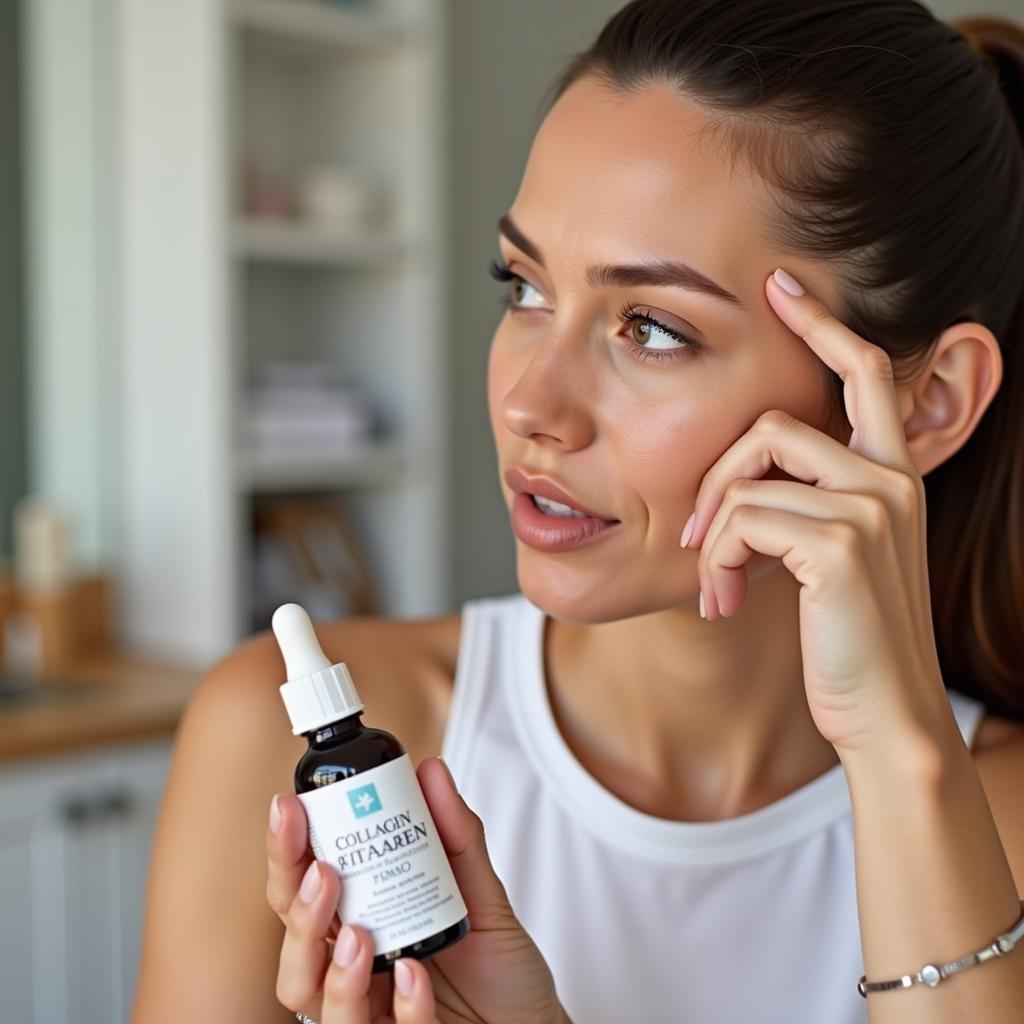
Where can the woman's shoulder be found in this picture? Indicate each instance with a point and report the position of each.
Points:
(403, 670)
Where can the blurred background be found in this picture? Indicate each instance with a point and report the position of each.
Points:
(244, 321)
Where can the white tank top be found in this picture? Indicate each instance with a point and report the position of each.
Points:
(751, 919)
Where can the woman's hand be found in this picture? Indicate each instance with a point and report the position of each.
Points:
(495, 974)
(853, 534)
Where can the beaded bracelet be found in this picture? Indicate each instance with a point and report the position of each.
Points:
(931, 975)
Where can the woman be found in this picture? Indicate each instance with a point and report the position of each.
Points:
(721, 779)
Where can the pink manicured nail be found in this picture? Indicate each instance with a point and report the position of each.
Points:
(310, 883)
(275, 815)
(788, 283)
(688, 530)
(346, 947)
(404, 978)
(703, 612)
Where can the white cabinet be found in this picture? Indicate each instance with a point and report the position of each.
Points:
(75, 836)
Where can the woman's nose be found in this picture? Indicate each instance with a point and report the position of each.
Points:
(552, 395)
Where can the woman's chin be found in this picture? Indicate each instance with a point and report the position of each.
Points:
(595, 601)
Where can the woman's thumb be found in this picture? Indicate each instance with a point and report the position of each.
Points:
(462, 834)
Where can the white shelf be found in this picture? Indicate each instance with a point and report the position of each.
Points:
(373, 463)
(308, 25)
(296, 242)
(206, 294)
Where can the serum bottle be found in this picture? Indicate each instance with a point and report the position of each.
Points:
(367, 815)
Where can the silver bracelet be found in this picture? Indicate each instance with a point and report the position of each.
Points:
(931, 975)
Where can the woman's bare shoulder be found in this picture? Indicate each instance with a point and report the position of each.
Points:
(403, 670)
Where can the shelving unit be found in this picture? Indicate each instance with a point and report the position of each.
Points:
(272, 243)
(371, 465)
(362, 28)
(210, 292)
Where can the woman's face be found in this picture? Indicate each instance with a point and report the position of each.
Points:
(625, 416)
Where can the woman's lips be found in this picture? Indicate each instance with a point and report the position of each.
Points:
(555, 533)
(519, 480)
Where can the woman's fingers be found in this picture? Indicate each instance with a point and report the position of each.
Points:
(338, 988)
(305, 950)
(347, 982)
(462, 834)
(288, 855)
(414, 993)
(348, 998)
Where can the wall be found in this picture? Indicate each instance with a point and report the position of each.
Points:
(71, 361)
(12, 383)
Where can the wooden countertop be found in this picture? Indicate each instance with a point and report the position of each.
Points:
(111, 699)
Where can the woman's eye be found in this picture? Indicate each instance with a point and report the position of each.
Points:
(647, 330)
(501, 272)
(522, 285)
(669, 343)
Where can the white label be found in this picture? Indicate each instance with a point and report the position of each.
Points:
(376, 831)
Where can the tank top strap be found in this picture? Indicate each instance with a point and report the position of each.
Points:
(469, 686)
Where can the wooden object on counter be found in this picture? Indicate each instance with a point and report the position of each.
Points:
(92, 601)
(55, 616)
(103, 700)
(67, 626)
(8, 603)
(60, 617)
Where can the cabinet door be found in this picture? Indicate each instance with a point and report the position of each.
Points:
(137, 778)
(46, 847)
(75, 835)
(31, 903)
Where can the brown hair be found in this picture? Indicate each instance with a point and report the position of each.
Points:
(895, 144)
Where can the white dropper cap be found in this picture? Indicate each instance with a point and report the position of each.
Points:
(317, 692)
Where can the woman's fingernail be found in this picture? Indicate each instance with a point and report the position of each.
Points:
(404, 978)
(788, 283)
(310, 883)
(346, 947)
(275, 815)
(688, 530)
(703, 610)
(451, 778)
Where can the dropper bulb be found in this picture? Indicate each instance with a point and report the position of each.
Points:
(295, 636)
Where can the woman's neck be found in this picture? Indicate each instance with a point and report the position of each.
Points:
(688, 719)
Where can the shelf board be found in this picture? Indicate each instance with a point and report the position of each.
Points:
(308, 25)
(287, 242)
(371, 463)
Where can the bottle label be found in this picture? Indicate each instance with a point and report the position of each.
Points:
(376, 831)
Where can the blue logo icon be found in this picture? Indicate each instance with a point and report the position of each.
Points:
(364, 800)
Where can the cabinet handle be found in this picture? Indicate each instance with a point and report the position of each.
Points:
(81, 810)
(117, 803)
(77, 810)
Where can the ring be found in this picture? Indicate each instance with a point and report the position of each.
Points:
(305, 1020)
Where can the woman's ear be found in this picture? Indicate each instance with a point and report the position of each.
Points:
(942, 405)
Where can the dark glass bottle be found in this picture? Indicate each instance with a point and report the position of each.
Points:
(339, 751)
(367, 815)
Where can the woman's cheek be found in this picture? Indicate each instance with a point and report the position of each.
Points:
(667, 454)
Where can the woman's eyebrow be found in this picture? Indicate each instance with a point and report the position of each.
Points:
(653, 272)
